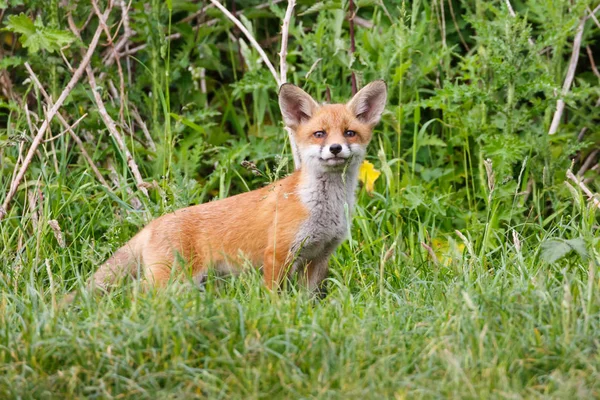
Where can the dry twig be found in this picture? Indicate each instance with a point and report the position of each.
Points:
(108, 121)
(592, 15)
(67, 129)
(462, 39)
(592, 63)
(588, 162)
(583, 188)
(38, 138)
(285, 27)
(250, 38)
(511, 11)
(124, 40)
(128, 33)
(560, 104)
(352, 46)
(136, 115)
(174, 36)
(135, 202)
(443, 21)
(116, 57)
(65, 124)
(112, 128)
(282, 77)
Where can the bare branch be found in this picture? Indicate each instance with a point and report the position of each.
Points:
(511, 11)
(124, 40)
(592, 15)
(125, 18)
(139, 120)
(66, 129)
(588, 162)
(462, 39)
(592, 63)
(285, 27)
(352, 46)
(312, 67)
(443, 21)
(135, 202)
(560, 104)
(115, 53)
(67, 63)
(211, 22)
(128, 33)
(583, 188)
(28, 114)
(112, 128)
(202, 11)
(363, 22)
(59, 102)
(108, 121)
(250, 38)
(64, 123)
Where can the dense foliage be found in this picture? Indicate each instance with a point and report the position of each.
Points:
(471, 269)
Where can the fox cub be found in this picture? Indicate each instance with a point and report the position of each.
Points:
(294, 224)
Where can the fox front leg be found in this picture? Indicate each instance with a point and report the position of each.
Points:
(274, 269)
(313, 276)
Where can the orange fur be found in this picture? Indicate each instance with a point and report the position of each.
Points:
(333, 119)
(263, 225)
(258, 225)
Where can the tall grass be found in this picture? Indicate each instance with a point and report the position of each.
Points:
(505, 304)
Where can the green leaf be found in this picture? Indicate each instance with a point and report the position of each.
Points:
(247, 23)
(321, 6)
(555, 249)
(401, 70)
(428, 140)
(58, 38)
(8, 62)
(20, 24)
(578, 245)
(188, 123)
(35, 36)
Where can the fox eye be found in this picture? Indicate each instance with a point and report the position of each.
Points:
(319, 134)
(349, 133)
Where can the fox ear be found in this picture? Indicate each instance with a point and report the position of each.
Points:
(369, 102)
(296, 105)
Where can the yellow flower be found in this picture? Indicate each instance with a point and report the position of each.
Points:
(367, 174)
(447, 250)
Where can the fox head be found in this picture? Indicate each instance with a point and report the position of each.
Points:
(332, 136)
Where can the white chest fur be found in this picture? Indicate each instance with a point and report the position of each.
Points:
(329, 197)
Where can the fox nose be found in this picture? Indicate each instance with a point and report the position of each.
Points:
(335, 149)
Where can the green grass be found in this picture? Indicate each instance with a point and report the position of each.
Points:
(502, 324)
(515, 327)
(509, 307)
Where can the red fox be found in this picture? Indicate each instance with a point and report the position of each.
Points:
(294, 224)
